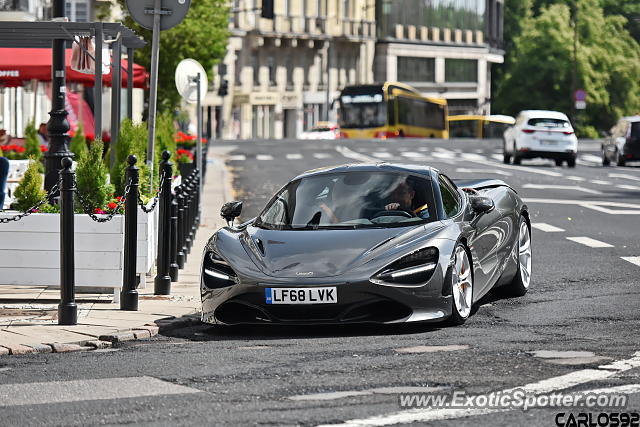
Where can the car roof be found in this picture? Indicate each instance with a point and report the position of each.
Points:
(633, 119)
(422, 170)
(545, 114)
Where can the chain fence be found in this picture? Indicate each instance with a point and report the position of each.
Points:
(146, 209)
(34, 208)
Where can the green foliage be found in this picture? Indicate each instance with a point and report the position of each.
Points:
(29, 191)
(539, 73)
(131, 140)
(588, 132)
(47, 208)
(91, 176)
(202, 35)
(78, 144)
(31, 142)
(165, 140)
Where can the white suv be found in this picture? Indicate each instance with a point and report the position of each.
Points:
(538, 133)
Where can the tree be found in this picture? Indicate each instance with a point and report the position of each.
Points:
(202, 35)
(540, 71)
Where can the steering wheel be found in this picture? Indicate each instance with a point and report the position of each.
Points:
(395, 212)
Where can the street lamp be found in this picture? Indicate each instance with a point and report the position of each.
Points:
(58, 125)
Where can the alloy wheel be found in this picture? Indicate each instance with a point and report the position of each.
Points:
(524, 254)
(462, 283)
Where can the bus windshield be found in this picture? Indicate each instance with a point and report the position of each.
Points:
(362, 110)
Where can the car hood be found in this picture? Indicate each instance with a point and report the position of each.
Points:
(323, 253)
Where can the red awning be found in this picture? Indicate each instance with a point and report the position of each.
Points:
(22, 64)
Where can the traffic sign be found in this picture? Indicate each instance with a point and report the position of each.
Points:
(172, 12)
(580, 95)
(581, 105)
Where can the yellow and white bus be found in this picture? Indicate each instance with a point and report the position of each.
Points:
(475, 126)
(391, 110)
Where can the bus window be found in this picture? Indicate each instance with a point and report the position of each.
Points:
(463, 129)
(493, 129)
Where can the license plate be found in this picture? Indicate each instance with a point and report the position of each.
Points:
(548, 142)
(326, 295)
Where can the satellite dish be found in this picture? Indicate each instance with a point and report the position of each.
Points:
(186, 71)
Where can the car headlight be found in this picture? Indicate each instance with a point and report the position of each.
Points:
(413, 269)
(216, 272)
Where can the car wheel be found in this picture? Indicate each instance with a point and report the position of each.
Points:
(619, 159)
(605, 159)
(571, 162)
(461, 287)
(506, 157)
(520, 283)
(516, 160)
(558, 162)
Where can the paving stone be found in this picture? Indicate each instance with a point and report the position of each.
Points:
(153, 330)
(141, 334)
(41, 348)
(97, 344)
(118, 337)
(19, 349)
(4, 351)
(65, 348)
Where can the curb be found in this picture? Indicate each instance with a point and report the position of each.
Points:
(104, 341)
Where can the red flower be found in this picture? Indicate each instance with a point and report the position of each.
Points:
(119, 198)
(100, 211)
(43, 148)
(112, 205)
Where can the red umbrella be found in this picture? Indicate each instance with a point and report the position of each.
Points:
(22, 64)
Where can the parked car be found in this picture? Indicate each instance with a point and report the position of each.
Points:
(539, 133)
(322, 130)
(623, 143)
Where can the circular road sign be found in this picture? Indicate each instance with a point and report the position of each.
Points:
(172, 12)
(580, 95)
(186, 70)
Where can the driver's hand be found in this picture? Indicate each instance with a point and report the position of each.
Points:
(392, 206)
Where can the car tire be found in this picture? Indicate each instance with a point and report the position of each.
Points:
(522, 280)
(461, 286)
(506, 157)
(619, 159)
(571, 162)
(516, 160)
(558, 162)
(605, 159)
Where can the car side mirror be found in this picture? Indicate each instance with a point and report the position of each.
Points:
(230, 211)
(481, 204)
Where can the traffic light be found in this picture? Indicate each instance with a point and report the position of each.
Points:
(223, 90)
(267, 9)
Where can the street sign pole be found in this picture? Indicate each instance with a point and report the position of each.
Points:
(200, 157)
(153, 91)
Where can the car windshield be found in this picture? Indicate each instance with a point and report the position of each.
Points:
(350, 200)
(549, 123)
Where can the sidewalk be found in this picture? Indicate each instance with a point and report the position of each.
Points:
(28, 314)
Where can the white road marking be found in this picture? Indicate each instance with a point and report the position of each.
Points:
(322, 155)
(631, 209)
(588, 241)
(350, 393)
(294, 156)
(628, 187)
(539, 171)
(632, 259)
(599, 182)
(431, 348)
(576, 178)
(493, 171)
(590, 158)
(547, 228)
(350, 154)
(264, 157)
(561, 187)
(548, 385)
(443, 155)
(83, 390)
(412, 155)
(382, 155)
(624, 176)
(497, 156)
(237, 157)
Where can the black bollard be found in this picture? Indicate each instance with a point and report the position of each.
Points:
(173, 255)
(188, 212)
(67, 309)
(129, 294)
(193, 210)
(181, 220)
(162, 281)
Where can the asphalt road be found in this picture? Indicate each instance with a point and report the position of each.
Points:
(584, 298)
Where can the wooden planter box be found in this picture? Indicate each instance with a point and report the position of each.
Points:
(30, 250)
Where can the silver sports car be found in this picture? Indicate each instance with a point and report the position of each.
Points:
(369, 243)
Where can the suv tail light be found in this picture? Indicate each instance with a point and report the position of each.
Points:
(528, 130)
(568, 132)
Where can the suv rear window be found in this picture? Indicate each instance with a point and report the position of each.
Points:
(635, 130)
(549, 123)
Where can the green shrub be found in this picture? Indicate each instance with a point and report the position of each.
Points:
(131, 140)
(29, 191)
(31, 142)
(587, 132)
(91, 176)
(165, 140)
(78, 144)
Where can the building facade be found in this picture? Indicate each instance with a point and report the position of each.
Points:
(444, 48)
(284, 73)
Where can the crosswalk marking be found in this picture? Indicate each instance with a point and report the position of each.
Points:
(547, 228)
(294, 156)
(83, 390)
(264, 157)
(588, 241)
(632, 259)
(561, 187)
(493, 171)
(412, 155)
(628, 187)
(600, 182)
(497, 156)
(322, 155)
(382, 155)
(576, 178)
(590, 158)
(238, 157)
(624, 176)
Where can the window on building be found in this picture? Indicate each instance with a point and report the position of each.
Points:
(256, 68)
(271, 65)
(346, 6)
(416, 69)
(290, 67)
(77, 10)
(460, 70)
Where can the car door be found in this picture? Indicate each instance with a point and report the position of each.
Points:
(514, 131)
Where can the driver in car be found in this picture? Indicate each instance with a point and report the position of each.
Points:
(403, 196)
